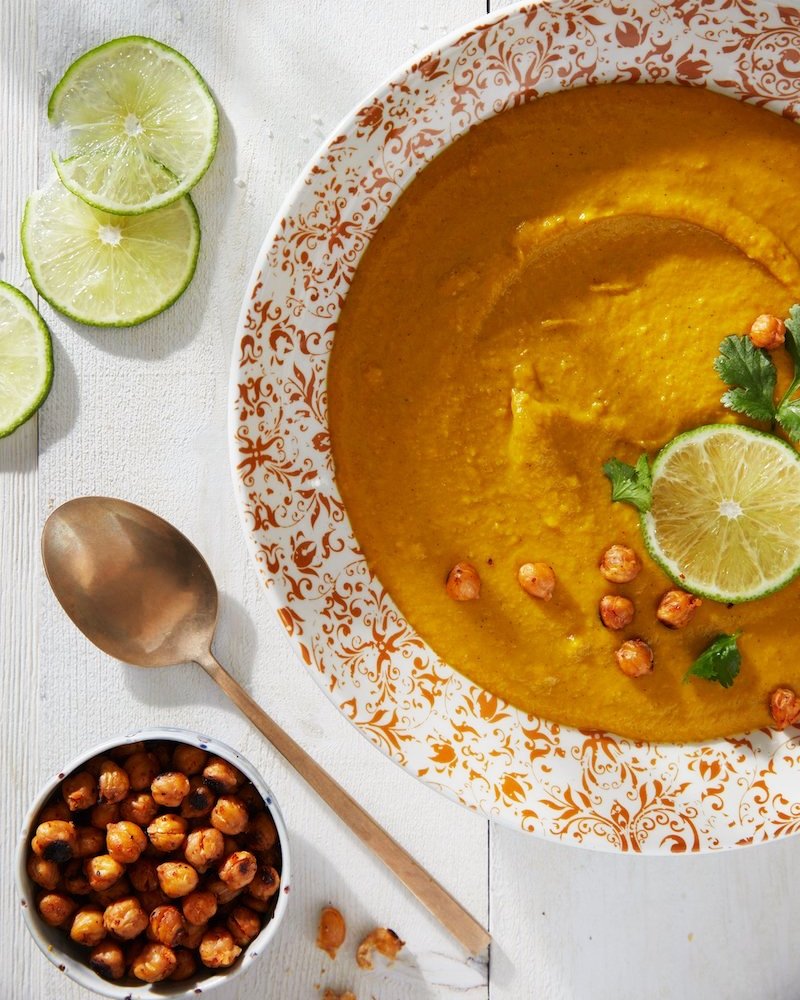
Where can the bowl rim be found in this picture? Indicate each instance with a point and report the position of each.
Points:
(49, 939)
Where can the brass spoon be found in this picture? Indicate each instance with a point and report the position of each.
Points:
(137, 588)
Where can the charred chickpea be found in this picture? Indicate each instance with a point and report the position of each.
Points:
(332, 930)
(784, 707)
(87, 926)
(262, 834)
(676, 608)
(166, 925)
(383, 940)
(74, 880)
(189, 760)
(163, 754)
(265, 884)
(55, 908)
(199, 800)
(112, 782)
(105, 813)
(244, 925)
(463, 582)
(204, 846)
(125, 841)
(139, 807)
(142, 769)
(79, 791)
(616, 612)
(55, 811)
(90, 841)
(620, 564)
(143, 875)
(218, 950)
(103, 871)
(43, 872)
(199, 907)
(635, 658)
(221, 777)
(177, 879)
(55, 840)
(767, 331)
(229, 815)
(107, 959)
(249, 794)
(167, 832)
(154, 963)
(125, 918)
(170, 788)
(537, 580)
(238, 869)
(185, 965)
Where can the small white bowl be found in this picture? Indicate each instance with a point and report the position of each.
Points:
(71, 959)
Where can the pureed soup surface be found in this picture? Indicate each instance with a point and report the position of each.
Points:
(549, 292)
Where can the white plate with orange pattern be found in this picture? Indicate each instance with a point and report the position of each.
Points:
(588, 788)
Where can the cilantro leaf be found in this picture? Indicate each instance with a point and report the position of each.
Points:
(789, 417)
(751, 376)
(788, 412)
(719, 662)
(630, 484)
(792, 341)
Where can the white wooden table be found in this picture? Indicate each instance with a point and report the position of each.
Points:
(141, 414)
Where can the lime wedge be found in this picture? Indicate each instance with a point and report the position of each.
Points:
(142, 126)
(26, 359)
(724, 521)
(108, 270)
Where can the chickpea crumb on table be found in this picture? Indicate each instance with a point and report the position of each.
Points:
(160, 859)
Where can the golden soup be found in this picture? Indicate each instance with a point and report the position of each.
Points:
(551, 291)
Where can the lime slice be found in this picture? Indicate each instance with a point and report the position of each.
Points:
(108, 270)
(142, 126)
(26, 359)
(724, 521)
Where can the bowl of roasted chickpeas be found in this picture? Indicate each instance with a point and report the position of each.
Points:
(154, 865)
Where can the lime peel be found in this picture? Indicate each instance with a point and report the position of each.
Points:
(26, 359)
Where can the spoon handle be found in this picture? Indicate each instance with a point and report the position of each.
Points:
(441, 904)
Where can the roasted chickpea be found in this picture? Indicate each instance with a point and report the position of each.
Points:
(170, 788)
(166, 925)
(102, 871)
(128, 750)
(229, 815)
(238, 869)
(189, 760)
(199, 907)
(635, 658)
(43, 872)
(223, 892)
(244, 925)
(616, 612)
(265, 884)
(139, 807)
(105, 813)
(55, 811)
(87, 926)
(331, 932)
(55, 840)
(383, 940)
(112, 783)
(55, 908)
(186, 965)
(177, 879)
(767, 331)
(142, 770)
(90, 841)
(218, 950)
(329, 994)
(167, 833)
(122, 887)
(199, 800)
(463, 582)
(125, 918)
(194, 935)
(79, 791)
(151, 898)
(676, 608)
(143, 875)
(221, 777)
(620, 564)
(204, 846)
(125, 841)
(251, 797)
(537, 579)
(74, 880)
(107, 959)
(262, 834)
(154, 962)
(784, 706)
(163, 754)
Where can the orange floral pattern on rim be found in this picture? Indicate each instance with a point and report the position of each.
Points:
(588, 788)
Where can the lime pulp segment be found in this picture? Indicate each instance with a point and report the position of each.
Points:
(107, 270)
(142, 125)
(26, 359)
(725, 515)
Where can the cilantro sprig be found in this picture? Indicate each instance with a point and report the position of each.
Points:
(719, 662)
(750, 375)
(630, 484)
